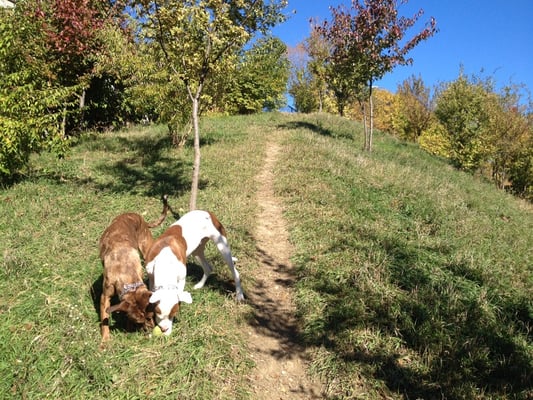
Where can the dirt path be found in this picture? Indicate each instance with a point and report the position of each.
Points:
(273, 336)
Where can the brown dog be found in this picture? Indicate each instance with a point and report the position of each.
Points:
(119, 247)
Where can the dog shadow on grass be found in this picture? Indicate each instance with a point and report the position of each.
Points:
(215, 282)
(118, 321)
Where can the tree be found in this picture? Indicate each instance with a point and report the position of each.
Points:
(462, 108)
(510, 135)
(51, 55)
(30, 101)
(366, 42)
(384, 102)
(302, 91)
(199, 38)
(318, 51)
(300, 85)
(414, 110)
(71, 39)
(488, 132)
(259, 80)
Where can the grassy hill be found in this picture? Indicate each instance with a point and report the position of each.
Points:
(415, 280)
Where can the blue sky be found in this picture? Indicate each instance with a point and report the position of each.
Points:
(487, 37)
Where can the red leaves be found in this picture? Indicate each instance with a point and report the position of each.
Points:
(73, 26)
(70, 26)
(371, 32)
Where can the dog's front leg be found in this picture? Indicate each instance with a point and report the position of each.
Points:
(223, 246)
(207, 268)
(105, 303)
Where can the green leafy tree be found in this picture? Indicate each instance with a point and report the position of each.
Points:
(511, 135)
(318, 50)
(302, 91)
(198, 39)
(521, 169)
(414, 108)
(488, 132)
(48, 54)
(367, 41)
(259, 79)
(347, 86)
(71, 42)
(463, 109)
(129, 83)
(300, 86)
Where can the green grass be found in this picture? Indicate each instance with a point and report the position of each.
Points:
(414, 277)
(414, 280)
(50, 224)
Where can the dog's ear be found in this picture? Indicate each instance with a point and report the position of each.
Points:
(174, 311)
(147, 294)
(142, 297)
(185, 297)
(122, 306)
(155, 297)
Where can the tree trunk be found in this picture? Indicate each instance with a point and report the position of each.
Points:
(362, 104)
(64, 123)
(82, 99)
(196, 165)
(82, 108)
(371, 130)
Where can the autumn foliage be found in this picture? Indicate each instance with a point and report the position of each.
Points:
(72, 27)
(365, 42)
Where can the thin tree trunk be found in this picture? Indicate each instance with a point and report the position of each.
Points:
(371, 130)
(82, 108)
(196, 165)
(64, 123)
(365, 123)
(82, 99)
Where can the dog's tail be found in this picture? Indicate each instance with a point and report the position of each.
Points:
(164, 213)
(175, 214)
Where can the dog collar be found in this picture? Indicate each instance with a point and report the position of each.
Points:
(166, 287)
(131, 287)
(183, 297)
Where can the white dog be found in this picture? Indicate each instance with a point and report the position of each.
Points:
(166, 262)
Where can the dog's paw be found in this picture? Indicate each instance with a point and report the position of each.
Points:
(185, 297)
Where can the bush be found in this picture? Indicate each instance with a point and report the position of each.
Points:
(31, 109)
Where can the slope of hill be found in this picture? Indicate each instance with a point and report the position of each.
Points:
(414, 277)
(413, 280)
